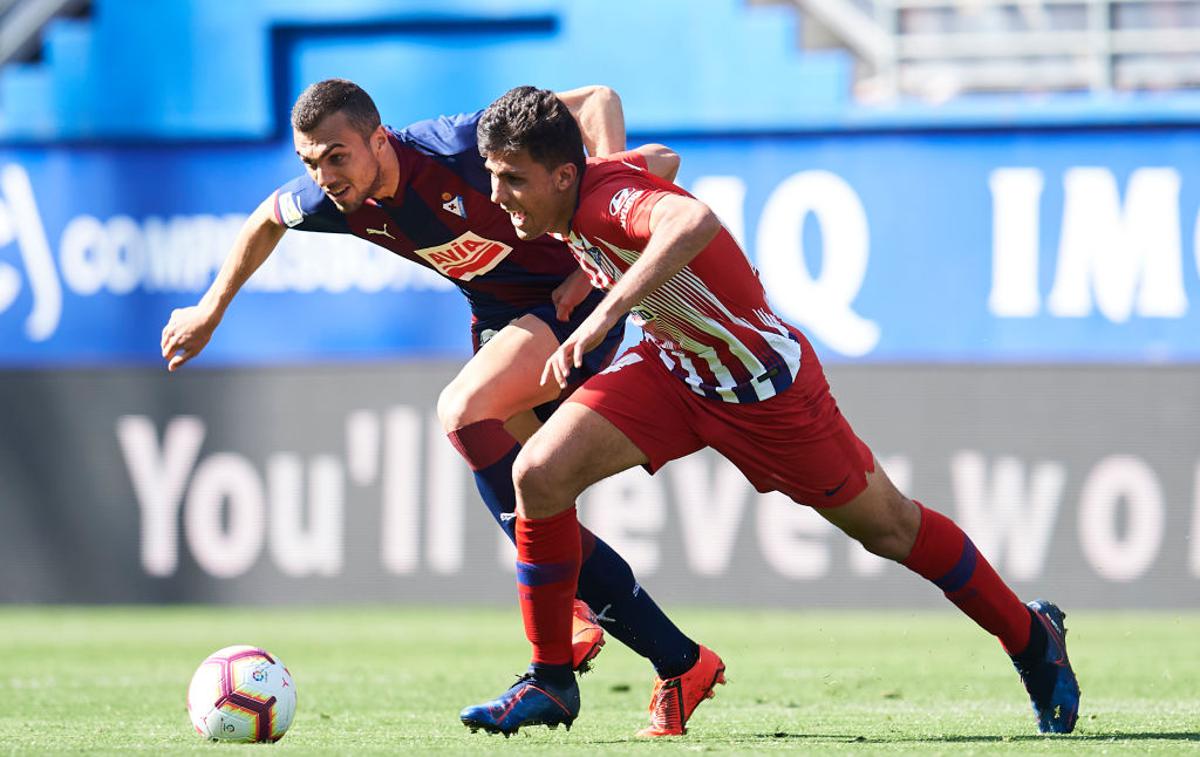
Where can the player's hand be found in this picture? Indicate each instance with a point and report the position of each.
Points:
(566, 296)
(186, 334)
(570, 353)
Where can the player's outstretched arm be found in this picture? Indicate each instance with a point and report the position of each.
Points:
(601, 118)
(189, 329)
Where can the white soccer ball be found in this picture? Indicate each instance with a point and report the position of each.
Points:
(242, 693)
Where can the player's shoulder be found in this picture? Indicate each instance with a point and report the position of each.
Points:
(300, 203)
(443, 135)
(612, 185)
(614, 197)
(623, 169)
(627, 163)
(604, 175)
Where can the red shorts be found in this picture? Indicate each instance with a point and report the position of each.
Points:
(796, 442)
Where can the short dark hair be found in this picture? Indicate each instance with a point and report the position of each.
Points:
(333, 96)
(527, 118)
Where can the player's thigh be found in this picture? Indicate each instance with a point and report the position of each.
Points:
(796, 442)
(830, 469)
(650, 407)
(574, 449)
(504, 376)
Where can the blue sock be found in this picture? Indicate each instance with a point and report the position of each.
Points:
(496, 488)
(556, 675)
(606, 582)
(626, 610)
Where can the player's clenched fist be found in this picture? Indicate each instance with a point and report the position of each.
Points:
(186, 333)
(567, 295)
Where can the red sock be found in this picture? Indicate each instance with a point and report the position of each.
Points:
(548, 558)
(945, 555)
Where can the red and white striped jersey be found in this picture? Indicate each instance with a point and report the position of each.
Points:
(710, 322)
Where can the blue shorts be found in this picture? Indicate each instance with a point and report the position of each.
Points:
(593, 362)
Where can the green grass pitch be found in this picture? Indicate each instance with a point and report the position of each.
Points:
(392, 680)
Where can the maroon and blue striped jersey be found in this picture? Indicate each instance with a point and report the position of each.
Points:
(441, 216)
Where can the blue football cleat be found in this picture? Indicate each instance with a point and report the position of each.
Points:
(1053, 690)
(528, 702)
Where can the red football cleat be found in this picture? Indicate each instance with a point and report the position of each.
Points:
(675, 699)
(587, 637)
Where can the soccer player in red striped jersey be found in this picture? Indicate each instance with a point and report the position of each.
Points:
(721, 370)
(422, 193)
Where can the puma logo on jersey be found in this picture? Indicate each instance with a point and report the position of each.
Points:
(379, 232)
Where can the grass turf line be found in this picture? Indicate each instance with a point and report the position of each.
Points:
(387, 680)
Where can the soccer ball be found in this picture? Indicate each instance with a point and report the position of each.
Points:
(242, 693)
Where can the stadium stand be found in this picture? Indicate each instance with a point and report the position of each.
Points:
(848, 63)
(938, 49)
(214, 70)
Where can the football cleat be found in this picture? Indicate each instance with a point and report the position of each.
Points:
(528, 702)
(1053, 690)
(587, 637)
(674, 700)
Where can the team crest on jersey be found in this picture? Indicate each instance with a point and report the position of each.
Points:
(601, 272)
(466, 257)
(454, 205)
(289, 209)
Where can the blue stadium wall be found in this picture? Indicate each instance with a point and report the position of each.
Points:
(1005, 295)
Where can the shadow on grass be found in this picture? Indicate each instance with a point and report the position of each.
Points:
(837, 738)
(1110, 736)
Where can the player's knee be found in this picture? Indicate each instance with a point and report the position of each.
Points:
(540, 491)
(532, 473)
(456, 407)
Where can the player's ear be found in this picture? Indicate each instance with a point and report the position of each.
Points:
(564, 176)
(379, 138)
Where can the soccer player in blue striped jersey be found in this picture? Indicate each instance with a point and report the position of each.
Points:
(422, 192)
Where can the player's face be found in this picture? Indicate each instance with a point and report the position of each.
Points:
(346, 166)
(537, 199)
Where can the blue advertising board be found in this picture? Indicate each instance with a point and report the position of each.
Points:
(1037, 245)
